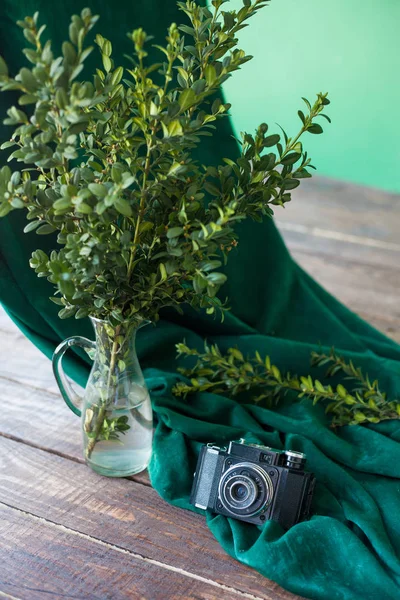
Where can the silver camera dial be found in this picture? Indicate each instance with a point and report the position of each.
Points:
(295, 460)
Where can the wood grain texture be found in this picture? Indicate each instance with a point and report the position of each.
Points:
(22, 361)
(57, 562)
(373, 293)
(126, 514)
(346, 208)
(347, 238)
(23, 418)
(319, 241)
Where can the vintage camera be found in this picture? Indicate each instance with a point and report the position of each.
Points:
(253, 483)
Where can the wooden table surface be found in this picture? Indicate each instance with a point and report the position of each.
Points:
(66, 532)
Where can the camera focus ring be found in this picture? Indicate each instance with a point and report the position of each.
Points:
(245, 489)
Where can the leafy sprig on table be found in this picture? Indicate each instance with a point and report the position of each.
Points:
(233, 373)
(108, 165)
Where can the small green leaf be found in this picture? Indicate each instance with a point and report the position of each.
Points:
(62, 203)
(174, 232)
(5, 208)
(27, 99)
(216, 278)
(61, 98)
(315, 128)
(69, 53)
(45, 229)
(291, 158)
(107, 47)
(7, 145)
(175, 128)
(145, 226)
(117, 75)
(15, 178)
(163, 272)
(290, 184)
(106, 63)
(116, 174)
(28, 79)
(350, 400)
(271, 140)
(236, 354)
(100, 191)
(210, 75)
(57, 300)
(123, 206)
(175, 168)
(186, 99)
(359, 417)
(67, 312)
(31, 226)
(128, 181)
(17, 203)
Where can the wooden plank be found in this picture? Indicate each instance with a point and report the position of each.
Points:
(41, 559)
(372, 293)
(347, 238)
(334, 243)
(351, 224)
(387, 325)
(346, 208)
(123, 513)
(42, 420)
(21, 360)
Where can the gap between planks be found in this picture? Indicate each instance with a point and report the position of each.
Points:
(75, 459)
(122, 550)
(29, 385)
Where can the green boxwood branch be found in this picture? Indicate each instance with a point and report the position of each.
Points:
(140, 224)
(233, 373)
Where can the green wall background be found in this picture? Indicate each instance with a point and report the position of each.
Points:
(350, 48)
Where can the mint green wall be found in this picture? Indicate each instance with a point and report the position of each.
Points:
(350, 48)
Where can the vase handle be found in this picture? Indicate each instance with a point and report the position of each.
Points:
(72, 399)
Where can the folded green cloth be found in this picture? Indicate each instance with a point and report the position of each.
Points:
(350, 548)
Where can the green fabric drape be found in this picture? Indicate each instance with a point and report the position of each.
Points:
(350, 548)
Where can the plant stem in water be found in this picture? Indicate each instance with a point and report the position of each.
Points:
(102, 410)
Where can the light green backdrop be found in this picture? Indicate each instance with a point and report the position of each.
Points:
(350, 48)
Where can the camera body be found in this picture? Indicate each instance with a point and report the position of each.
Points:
(253, 483)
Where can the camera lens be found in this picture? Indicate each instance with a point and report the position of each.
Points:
(239, 491)
(245, 489)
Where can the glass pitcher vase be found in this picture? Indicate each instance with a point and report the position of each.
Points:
(115, 410)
